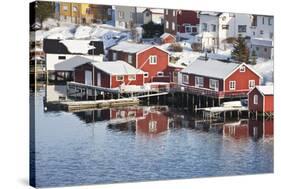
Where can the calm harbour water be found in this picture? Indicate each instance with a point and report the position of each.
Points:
(144, 143)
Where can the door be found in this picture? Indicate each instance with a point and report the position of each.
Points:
(99, 79)
(88, 77)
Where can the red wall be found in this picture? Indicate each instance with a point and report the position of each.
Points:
(236, 131)
(105, 78)
(152, 69)
(255, 107)
(187, 17)
(79, 73)
(115, 83)
(269, 103)
(242, 80)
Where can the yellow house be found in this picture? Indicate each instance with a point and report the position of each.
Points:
(83, 13)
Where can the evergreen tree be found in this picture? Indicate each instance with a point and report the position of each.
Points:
(43, 10)
(240, 51)
(254, 57)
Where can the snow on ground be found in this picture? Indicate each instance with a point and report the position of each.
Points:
(265, 69)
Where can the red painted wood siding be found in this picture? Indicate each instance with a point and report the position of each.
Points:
(168, 39)
(105, 78)
(79, 72)
(236, 131)
(186, 17)
(152, 69)
(269, 103)
(115, 83)
(255, 107)
(122, 56)
(206, 81)
(242, 80)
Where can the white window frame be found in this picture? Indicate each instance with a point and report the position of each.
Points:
(252, 84)
(173, 26)
(121, 14)
(185, 79)
(146, 75)
(132, 77)
(256, 99)
(269, 21)
(74, 9)
(167, 24)
(214, 27)
(204, 27)
(65, 8)
(152, 59)
(160, 74)
(174, 12)
(114, 55)
(188, 26)
(118, 79)
(232, 85)
(130, 59)
(152, 126)
(198, 82)
(214, 87)
(240, 30)
(242, 68)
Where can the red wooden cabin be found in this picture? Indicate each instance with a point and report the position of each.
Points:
(149, 58)
(108, 74)
(260, 99)
(219, 79)
(167, 38)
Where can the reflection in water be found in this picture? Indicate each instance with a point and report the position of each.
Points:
(144, 143)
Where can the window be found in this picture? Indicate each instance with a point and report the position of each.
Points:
(153, 59)
(174, 13)
(251, 84)
(121, 14)
(61, 57)
(199, 82)
(119, 78)
(109, 12)
(146, 75)
(214, 27)
(167, 25)
(214, 84)
(261, 32)
(160, 74)
(74, 9)
(262, 20)
(114, 56)
(232, 85)
(194, 29)
(254, 33)
(152, 126)
(225, 27)
(166, 11)
(265, 49)
(132, 77)
(185, 79)
(242, 69)
(65, 8)
(269, 21)
(130, 59)
(187, 29)
(256, 99)
(173, 26)
(204, 27)
(271, 35)
(223, 18)
(257, 48)
(242, 28)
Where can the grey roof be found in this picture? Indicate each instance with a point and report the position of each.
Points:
(265, 90)
(209, 13)
(210, 68)
(71, 63)
(117, 68)
(130, 47)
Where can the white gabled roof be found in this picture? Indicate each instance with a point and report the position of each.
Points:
(130, 47)
(117, 68)
(262, 42)
(211, 68)
(209, 13)
(157, 11)
(265, 89)
(77, 46)
(71, 63)
(164, 35)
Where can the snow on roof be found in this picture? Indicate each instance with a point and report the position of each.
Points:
(77, 46)
(210, 13)
(71, 63)
(117, 68)
(265, 89)
(130, 47)
(210, 68)
(83, 32)
(164, 35)
(157, 11)
(262, 42)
